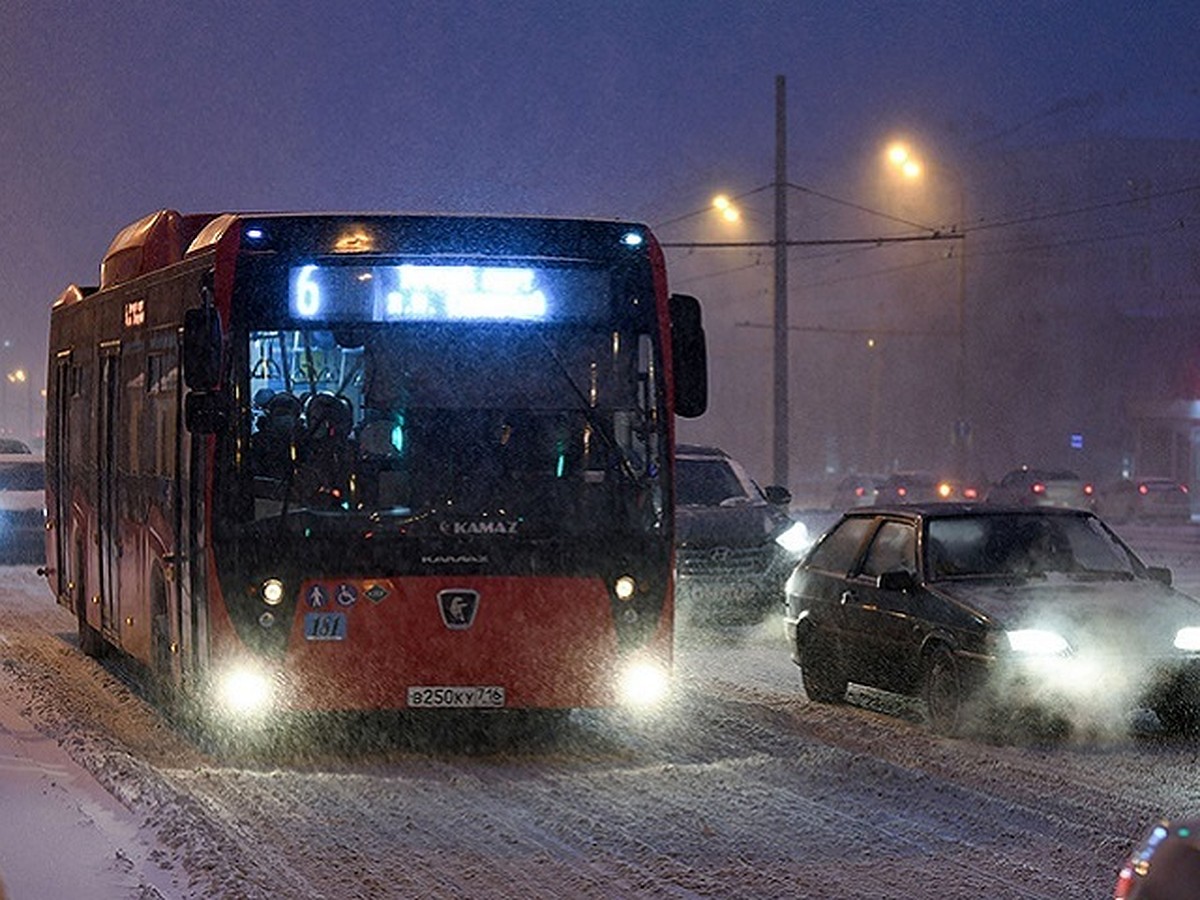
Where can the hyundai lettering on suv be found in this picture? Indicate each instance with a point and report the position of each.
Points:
(735, 543)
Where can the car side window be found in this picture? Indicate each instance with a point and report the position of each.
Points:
(839, 550)
(894, 549)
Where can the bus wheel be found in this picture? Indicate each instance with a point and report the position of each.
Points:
(162, 674)
(91, 641)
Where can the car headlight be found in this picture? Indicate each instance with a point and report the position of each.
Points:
(794, 539)
(1037, 642)
(1188, 638)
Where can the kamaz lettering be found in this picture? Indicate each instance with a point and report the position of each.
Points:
(458, 528)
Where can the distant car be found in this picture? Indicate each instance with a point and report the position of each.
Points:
(1032, 614)
(924, 487)
(856, 490)
(1146, 499)
(12, 445)
(22, 507)
(1042, 487)
(1165, 865)
(908, 487)
(735, 543)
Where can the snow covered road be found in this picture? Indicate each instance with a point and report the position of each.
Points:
(741, 789)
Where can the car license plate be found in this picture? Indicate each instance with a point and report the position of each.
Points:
(324, 626)
(456, 696)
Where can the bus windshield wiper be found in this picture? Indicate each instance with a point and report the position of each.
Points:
(606, 434)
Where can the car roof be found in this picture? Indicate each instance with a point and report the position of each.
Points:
(1046, 474)
(25, 458)
(958, 510)
(699, 450)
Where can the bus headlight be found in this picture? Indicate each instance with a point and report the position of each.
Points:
(245, 691)
(644, 684)
(272, 591)
(624, 587)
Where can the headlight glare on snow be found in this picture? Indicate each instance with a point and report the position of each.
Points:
(1037, 642)
(1188, 638)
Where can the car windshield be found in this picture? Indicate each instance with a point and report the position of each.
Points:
(1023, 545)
(22, 476)
(708, 482)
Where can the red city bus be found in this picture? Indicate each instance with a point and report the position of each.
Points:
(363, 462)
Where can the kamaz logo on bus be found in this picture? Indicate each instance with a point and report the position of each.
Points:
(458, 607)
(459, 528)
(449, 560)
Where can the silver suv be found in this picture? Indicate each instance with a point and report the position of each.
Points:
(735, 543)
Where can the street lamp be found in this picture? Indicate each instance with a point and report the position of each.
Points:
(725, 207)
(18, 376)
(901, 158)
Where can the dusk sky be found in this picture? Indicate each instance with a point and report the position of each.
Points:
(627, 110)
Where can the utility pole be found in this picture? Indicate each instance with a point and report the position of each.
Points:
(780, 390)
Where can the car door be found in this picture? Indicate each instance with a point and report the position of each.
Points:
(877, 622)
(814, 596)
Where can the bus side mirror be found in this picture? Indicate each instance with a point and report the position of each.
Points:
(690, 356)
(206, 412)
(201, 348)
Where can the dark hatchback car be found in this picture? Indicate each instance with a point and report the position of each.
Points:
(994, 611)
(735, 543)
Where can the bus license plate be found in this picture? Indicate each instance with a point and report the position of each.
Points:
(324, 626)
(456, 697)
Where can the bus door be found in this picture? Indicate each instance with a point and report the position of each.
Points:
(68, 578)
(107, 487)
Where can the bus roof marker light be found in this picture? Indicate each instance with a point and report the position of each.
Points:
(632, 239)
(254, 233)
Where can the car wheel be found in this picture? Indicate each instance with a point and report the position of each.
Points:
(822, 673)
(1179, 710)
(943, 691)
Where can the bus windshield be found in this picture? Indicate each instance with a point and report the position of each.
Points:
(407, 422)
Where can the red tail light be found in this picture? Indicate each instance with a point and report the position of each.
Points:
(860, 492)
(1088, 490)
(1184, 488)
(1124, 883)
(1038, 488)
(1143, 489)
(902, 491)
(970, 493)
